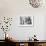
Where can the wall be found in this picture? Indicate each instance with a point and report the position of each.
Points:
(23, 33)
(14, 8)
(45, 29)
(17, 7)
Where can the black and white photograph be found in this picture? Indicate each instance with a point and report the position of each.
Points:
(26, 21)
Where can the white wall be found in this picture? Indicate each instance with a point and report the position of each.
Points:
(23, 33)
(17, 7)
(14, 8)
(45, 29)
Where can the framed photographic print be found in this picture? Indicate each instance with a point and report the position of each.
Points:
(26, 20)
